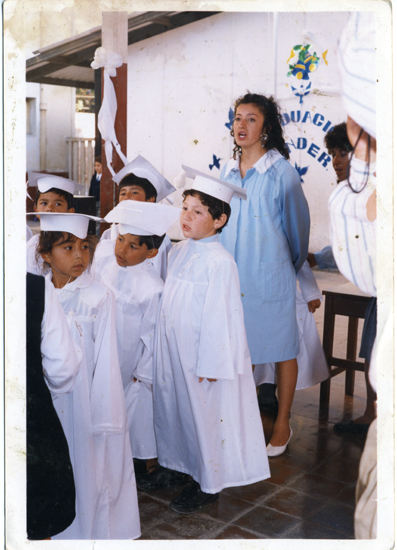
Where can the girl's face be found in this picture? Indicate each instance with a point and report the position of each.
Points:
(247, 125)
(196, 221)
(68, 260)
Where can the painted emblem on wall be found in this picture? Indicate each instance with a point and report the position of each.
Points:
(304, 63)
(215, 162)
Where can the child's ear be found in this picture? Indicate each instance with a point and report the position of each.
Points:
(71, 210)
(152, 199)
(220, 222)
(35, 208)
(46, 257)
(152, 253)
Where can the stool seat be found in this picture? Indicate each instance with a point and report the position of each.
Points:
(351, 302)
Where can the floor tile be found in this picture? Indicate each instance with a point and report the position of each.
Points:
(234, 532)
(308, 530)
(336, 516)
(291, 502)
(152, 511)
(252, 493)
(317, 486)
(281, 473)
(266, 521)
(347, 472)
(192, 526)
(226, 508)
(347, 495)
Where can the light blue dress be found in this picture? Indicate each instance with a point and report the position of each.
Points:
(268, 235)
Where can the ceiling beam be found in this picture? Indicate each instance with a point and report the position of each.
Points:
(64, 82)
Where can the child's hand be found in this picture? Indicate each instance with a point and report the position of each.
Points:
(209, 379)
(313, 305)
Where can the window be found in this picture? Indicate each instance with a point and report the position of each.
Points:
(31, 116)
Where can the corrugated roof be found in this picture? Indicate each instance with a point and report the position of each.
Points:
(68, 63)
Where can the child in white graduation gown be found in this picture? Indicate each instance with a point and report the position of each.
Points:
(207, 419)
(312, 365)
(93, 416)
(140, 181)
(124, 266)
(54, 194)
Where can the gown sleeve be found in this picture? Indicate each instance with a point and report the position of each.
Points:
(59, 359)
(295, 216)
(149, 308)
(107, 394)
(307, 284)
(223, 349)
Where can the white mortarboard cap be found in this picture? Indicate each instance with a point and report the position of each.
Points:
(143, 169)
(143, 218)
(214, 187)
(45, 182)
(77, 224)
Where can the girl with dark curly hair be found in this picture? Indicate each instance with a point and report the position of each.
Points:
(268, 236)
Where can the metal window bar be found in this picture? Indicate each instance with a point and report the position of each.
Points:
(81, 158)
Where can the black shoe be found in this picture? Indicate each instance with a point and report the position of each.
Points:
(267, 399)
(161, 477)
(351, 428)
(140, 466)
(192, 499)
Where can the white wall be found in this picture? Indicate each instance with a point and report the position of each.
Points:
(182, 84)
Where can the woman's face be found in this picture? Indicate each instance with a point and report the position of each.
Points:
(247, 125)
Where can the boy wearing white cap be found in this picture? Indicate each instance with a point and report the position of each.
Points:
(93, 415)
(54, 194)
(206, 414)
(140, 181)
(125, 267)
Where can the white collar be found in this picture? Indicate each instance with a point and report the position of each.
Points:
(261, 165)
(82, 281)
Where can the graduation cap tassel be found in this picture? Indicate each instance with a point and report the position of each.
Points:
(109, 61)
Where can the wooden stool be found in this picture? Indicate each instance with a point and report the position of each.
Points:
(349, 301)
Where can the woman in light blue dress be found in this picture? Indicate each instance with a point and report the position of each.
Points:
(268, 236)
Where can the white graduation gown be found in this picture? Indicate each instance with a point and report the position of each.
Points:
(33, 265)
(159, 262)
(138, 290)
(93, 417)
(210, 430)
(59, 360)
(312, 366)
(29, 233)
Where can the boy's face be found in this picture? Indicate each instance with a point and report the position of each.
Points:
(52, 202)
(196, 221)
(98, 167)
(133, 193)
(129, 252)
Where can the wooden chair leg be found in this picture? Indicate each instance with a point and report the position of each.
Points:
(328, 344)
(351, 354)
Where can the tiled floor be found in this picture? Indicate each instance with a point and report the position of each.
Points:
(310, 494)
